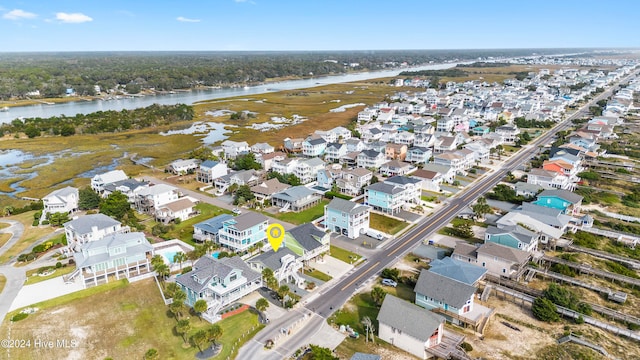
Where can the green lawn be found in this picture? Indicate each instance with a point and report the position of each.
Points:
(402, 291)
(234, 327)
(359, 306)
(318, 275)
(386, 224)
(32, 278)
(122, 321)
(302, 217)
(184, 230)
(344, 255)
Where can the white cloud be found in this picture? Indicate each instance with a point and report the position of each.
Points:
(72, 18)
(184, 19)
(17, 14)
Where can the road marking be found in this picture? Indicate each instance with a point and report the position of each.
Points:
(359, 276)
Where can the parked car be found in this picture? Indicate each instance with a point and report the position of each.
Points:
(237, 211)
(389, 282)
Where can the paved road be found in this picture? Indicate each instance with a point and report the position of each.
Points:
(332, 299)
(209, 200)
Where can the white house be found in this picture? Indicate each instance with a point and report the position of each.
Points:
(307, 169)
(334, 151)
(99, 181)
(409, 327)
(181, 209)
(262, 148)
(371, 159)
(91, 228)
(63, 200)
(148, 200)
(181, 167)
(234, 148)
(210, 170)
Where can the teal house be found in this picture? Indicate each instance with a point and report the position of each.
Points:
(564, 200)
(516, 237)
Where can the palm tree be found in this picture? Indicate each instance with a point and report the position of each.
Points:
(162, 271)
(170, 289)
(199, 339)
(182, 328)
(262, 304)
(157, 260)
(481, 207)
(176, 308)
(200, 306)
(368, 326)
(214, 332)
(179, 258)
(378, 294)
(193, 256)
(282, 292)
(180, 296)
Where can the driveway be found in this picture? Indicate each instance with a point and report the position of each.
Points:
(16, 229)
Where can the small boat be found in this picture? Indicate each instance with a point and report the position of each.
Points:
(4, 109)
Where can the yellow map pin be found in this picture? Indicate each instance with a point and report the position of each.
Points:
(275, 235)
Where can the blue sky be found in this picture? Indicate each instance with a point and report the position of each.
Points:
(74, 25)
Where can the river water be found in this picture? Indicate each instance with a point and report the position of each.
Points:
(190, 97)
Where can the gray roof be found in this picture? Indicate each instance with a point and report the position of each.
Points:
(307, 235)
(504, 252)
(65, 191)
(465, 249)
(269, 187)
(523, 186)
(562, 194)
(294, 194)
(207, 268)
(442, 288)
(363, 356)
(419, 149)
(272, 259)
(549, 216)
(209, 164)
(408, 318)
(457, 270)
(317, 141)
(442, 169)
(314, 161)
(346, 206)
(384, 188)
(83, 225)
(370, 153)
(214, 224)
(402, 180)
(247, 220)
(335, 145)
(131, 184)
(157, 189)
(517, 231)
(134, 242)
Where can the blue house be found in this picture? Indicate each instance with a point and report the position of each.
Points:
(314, 147)
(514, 236)
(346, 217)
(418, 155)
(566, 201)
(386, 198)
(435, 291)
(207, 230)
(243, 231)
(458, 270)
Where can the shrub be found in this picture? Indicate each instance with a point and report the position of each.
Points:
(19, 316)
(580, 320)
(466, 346)
(58, 265)
(543, 309)
(186, 269)
(392, 274)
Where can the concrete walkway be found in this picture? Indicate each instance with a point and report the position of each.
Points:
(44, 290)
(16, 276)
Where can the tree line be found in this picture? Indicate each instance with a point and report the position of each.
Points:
(101, 121)
(53, 73)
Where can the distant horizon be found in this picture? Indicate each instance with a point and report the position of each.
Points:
(603, 48)
(332, 25)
